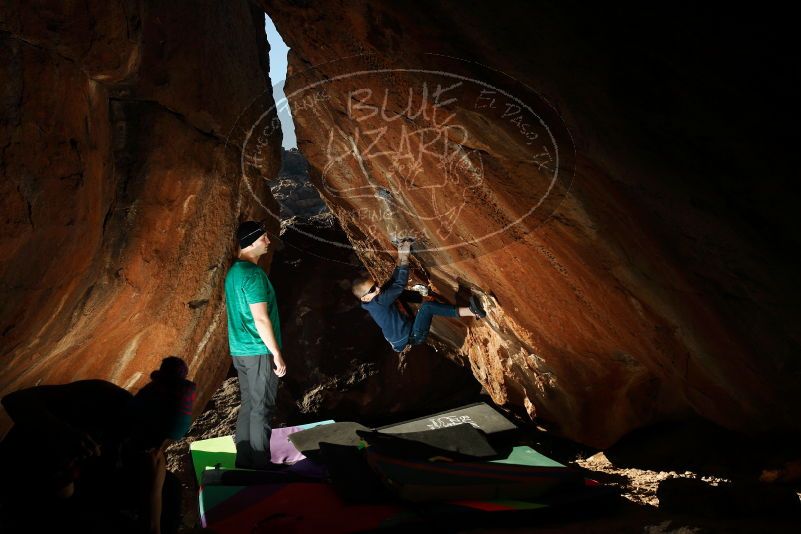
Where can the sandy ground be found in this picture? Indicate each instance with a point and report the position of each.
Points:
(639, 508)
(637, 485)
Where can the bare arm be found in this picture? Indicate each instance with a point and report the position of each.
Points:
(265, 329)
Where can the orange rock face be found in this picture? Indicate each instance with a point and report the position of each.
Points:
(585, 174)
(613, 183)
(121, 184)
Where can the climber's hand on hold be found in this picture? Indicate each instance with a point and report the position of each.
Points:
(404, 249)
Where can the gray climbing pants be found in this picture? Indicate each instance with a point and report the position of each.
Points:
(258, 386)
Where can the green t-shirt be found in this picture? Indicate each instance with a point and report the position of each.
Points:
(247, 284)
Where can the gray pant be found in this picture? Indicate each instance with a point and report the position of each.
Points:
(258, 386)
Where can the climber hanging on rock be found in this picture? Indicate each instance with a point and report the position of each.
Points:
(380, 301)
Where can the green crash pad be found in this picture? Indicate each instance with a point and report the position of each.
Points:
(523, 455)
(220, 453)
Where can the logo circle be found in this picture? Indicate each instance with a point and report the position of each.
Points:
(464, 159)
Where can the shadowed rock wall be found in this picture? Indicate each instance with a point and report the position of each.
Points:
(342, 367)
(659, 284)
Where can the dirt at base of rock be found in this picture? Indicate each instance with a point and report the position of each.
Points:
(638, 485)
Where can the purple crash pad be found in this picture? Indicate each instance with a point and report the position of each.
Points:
(281, 449)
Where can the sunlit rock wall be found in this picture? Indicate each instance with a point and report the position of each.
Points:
(120, 183)
(654, 281)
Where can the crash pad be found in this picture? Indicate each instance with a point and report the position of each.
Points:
(422, 481)
(295, 507)
(291, 504)
(221, 451)
(524, 455)
(304, 470)
(339, 433)
(479, 415)
(460, 442)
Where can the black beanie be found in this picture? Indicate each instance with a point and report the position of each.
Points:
(248, 232)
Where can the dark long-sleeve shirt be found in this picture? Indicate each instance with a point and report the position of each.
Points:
(395, 326)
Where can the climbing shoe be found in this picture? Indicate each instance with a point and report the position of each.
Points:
(420, 288)
(475, 307)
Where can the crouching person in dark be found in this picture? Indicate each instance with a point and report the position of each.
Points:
(88, 456)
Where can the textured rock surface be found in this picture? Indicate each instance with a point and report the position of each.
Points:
(660, 285)
(120, 184)
(293, 190)
(342, 367)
